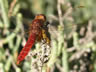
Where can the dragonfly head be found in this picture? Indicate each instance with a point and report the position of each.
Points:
(41, 16)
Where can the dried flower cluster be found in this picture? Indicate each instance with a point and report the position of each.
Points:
(42, 56)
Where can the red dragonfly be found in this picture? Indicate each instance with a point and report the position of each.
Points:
(37, 32)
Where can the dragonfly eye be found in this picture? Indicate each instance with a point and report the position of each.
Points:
(41, 16)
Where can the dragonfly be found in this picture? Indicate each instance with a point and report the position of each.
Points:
(37, 32)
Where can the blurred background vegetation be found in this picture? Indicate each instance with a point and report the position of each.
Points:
(72, 30)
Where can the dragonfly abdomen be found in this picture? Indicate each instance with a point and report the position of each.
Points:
(27, 47)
